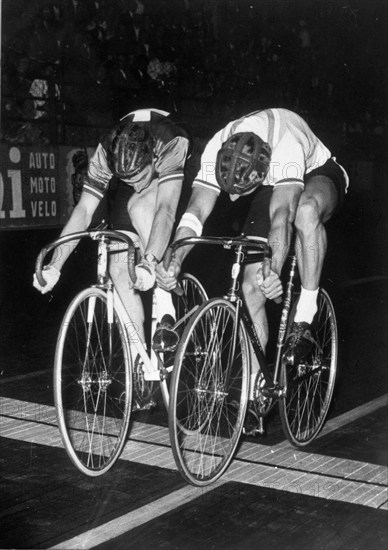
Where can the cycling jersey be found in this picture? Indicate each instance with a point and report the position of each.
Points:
(296, 150)
(170, 150)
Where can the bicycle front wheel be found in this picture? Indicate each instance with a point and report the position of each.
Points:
(92, 383)
(209, 392)
(310, 384)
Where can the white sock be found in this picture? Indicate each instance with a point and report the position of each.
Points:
(252, 386)
(307, 306)
(164, 305)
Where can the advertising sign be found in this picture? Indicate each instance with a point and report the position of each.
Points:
(36, 186)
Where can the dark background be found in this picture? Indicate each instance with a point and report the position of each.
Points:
(230, 57)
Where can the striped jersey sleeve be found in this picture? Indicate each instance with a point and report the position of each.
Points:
(170, 161)
(206, 177)
(99, 175)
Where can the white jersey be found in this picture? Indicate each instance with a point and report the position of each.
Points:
(296, 150)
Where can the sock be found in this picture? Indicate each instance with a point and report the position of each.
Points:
(307, 306)
(251, 396)
(164, 305)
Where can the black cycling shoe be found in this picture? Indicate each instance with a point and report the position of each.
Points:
(165, 337)
(299, 342)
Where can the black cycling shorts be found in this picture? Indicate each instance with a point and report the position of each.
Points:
(118, 197)
(258, 223)
(332, 170)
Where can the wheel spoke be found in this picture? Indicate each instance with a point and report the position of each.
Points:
(92, 383)
(209, 371)
(310, 384)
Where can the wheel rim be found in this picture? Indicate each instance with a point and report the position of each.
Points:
(209, 394)
(92, 384)
(194, 294)
(310, 385)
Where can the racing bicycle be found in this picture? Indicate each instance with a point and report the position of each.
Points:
(101, 366)
(212, 370)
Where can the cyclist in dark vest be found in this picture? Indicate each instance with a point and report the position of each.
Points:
(149, 159)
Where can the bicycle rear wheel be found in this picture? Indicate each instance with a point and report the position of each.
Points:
(185, 304)
(92, 383)
(310, 384)
(209, 392)
(193, 296)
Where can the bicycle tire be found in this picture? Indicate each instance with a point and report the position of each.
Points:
(209, 392)
(92, 383)
(194, 294)
(310, 384)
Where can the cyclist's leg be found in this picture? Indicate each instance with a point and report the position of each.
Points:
(255, 301)
(129, 296)
(141, 211)
(316, 206)
(119, 219)
(257, 224)
(323, 194)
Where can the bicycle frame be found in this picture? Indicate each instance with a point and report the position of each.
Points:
(152, 364)
(213, 386)
(235, 296)
(271, 380)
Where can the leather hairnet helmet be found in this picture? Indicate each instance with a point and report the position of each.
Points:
(130, 150)
(242, 163)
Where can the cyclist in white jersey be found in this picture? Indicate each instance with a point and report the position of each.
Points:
(273, 156)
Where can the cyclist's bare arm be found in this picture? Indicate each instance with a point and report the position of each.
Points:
(166, 205)
(80, 220)
(282, 210)
(201, 204)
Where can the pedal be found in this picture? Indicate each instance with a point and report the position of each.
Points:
(253, 425)
(165, 337)
(254, 432)
(143, 405)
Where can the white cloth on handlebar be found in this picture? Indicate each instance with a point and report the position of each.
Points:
(51, 275)
(145, 275)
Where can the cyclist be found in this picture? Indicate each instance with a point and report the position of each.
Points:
(147, 156)
(292, 179)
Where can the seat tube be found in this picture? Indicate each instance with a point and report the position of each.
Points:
(236, 267)
(102, 260)
(284, 316)
(287, 303)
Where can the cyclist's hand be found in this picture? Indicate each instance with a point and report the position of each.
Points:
(167, 278)
(145, 275)
(269, 282)
(51, 275)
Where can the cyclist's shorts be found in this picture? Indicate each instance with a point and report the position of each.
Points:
(258, 222)
(118, 199)
(334, 171)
